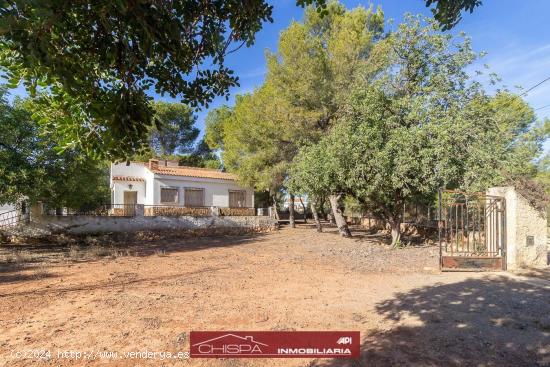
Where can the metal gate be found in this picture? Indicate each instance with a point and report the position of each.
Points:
(472, 231)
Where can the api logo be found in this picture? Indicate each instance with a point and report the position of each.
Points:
(344, 340)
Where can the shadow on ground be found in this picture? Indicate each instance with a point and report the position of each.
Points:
(493, 321)
(25, 262)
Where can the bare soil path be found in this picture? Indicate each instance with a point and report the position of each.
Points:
(149, 296)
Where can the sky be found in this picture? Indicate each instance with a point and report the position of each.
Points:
(515, 35)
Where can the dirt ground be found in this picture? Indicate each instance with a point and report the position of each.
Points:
(150, 295)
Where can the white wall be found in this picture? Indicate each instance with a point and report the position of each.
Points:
(6, 208)
(216, 192)
(149, 188)
(119, 187)
(134, 169)
(523, 220)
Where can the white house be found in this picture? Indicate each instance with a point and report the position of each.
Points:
(164, 183)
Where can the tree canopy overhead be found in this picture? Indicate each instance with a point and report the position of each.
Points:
(448, 12)
(97, 60)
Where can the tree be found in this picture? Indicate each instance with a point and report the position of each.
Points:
(18, 142)
(260, 139)
(71, 180)
(214, 122)
(176, 131)
(102, 58)
(31, 167)
(420, 125)
(202, 156)
(448, 12)
(315, 62)
(317, 170)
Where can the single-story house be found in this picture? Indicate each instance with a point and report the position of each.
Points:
(164, 184)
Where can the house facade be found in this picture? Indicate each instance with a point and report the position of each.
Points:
(164, 184)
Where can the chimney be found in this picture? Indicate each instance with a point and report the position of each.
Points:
(171, 163)
(153, 164)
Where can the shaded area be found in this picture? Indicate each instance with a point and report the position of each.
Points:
(130, 279)
(26, 262)
(492, 321)
(536, 273)
(412, 235)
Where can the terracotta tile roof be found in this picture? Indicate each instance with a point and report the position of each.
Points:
(194, 172)
(127, 178)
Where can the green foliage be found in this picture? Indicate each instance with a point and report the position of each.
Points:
(419, 125)
(317, 61)
(97, 60)
(202, 156)
(305, 87)
(18, 142)
(176, 132)
(260, 139)
(214, 122)
(448, 12)
(31, 168)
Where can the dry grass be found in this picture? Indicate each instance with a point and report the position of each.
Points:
(73, 252)
(160, 252)
(40, 273)
(19, 257)
(97, 251)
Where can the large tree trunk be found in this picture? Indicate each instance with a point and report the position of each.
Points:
(291, 212)
(395, 224)
(304, 209)
(316, 216)
(338, 217)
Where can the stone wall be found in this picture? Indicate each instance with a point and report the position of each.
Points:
(176, 211)
(526, 231)
(237, 211)
(90, 225)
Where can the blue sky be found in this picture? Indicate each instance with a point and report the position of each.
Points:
(515, 35)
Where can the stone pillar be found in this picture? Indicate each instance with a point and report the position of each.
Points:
(526, 233)
(140, 210)
(215, 211)
(181, 196)
(37, 211)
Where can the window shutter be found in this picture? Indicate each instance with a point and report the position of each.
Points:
(237, 199)
(168, 195)
(194, 197)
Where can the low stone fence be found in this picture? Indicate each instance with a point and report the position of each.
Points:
(84, 225)
(237, 211)
(177, 211)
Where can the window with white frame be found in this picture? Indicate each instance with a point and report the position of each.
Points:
(168, 195)
(194, 197)
(237, 198)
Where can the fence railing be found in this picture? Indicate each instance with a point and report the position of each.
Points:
(111, 210)
(237, 211)
(176, 211)
(12, 218)
(132, 210)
